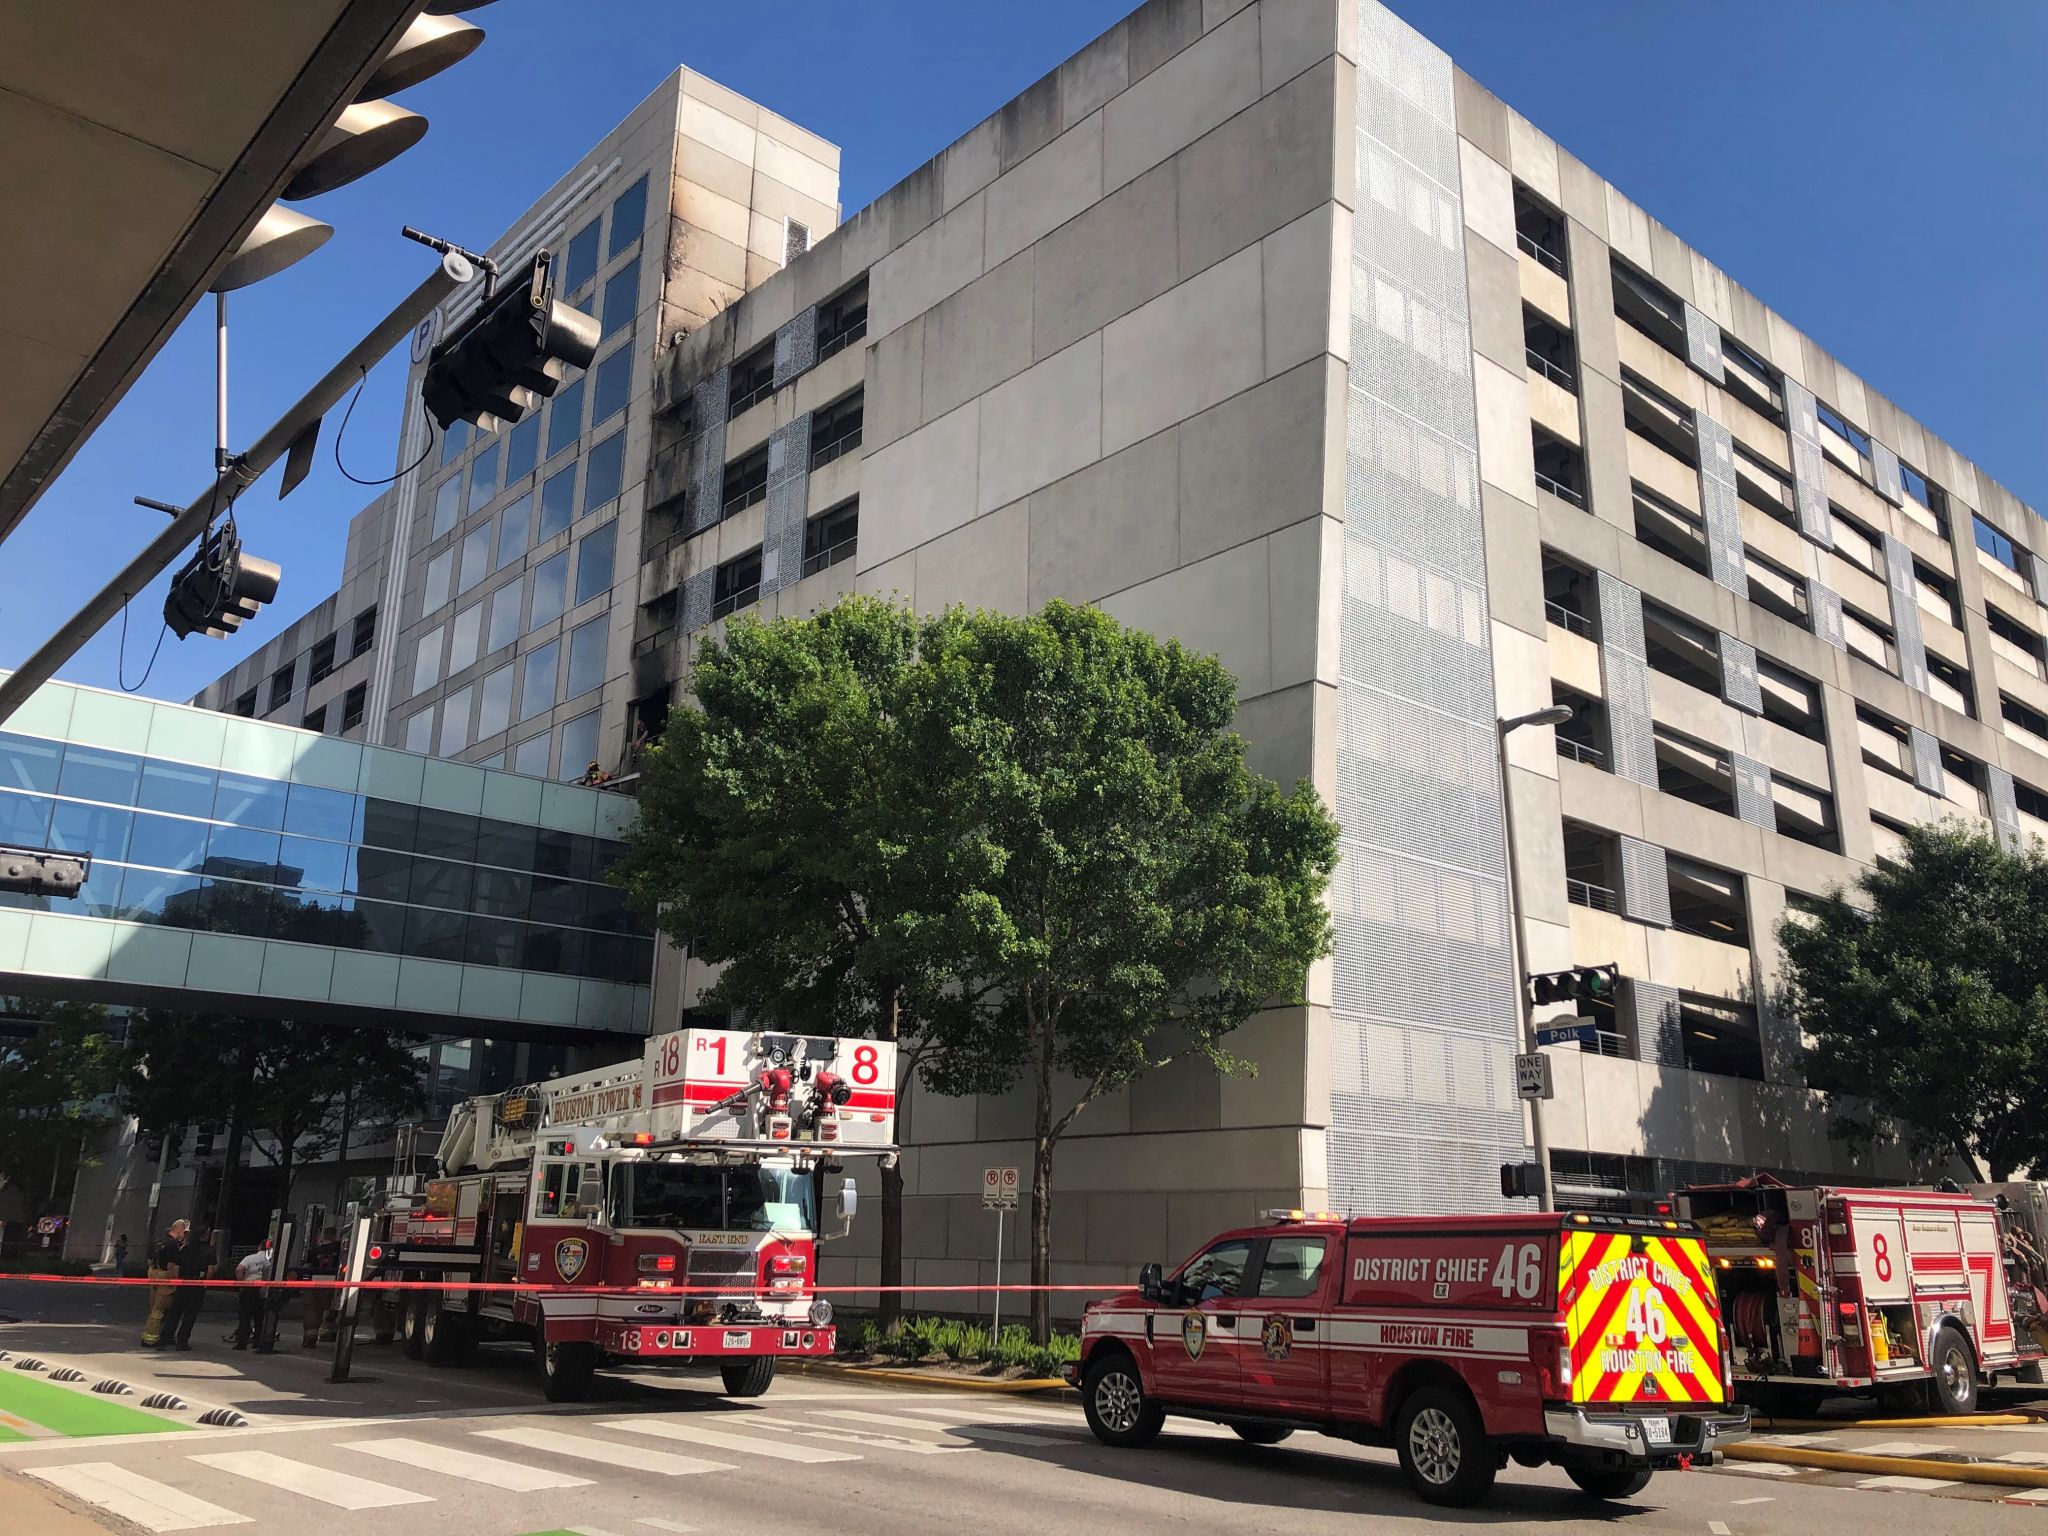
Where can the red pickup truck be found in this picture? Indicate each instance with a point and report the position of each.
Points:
(1590, 1342)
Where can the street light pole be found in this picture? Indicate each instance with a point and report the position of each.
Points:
(1518, 940)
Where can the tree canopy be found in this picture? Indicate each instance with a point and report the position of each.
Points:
(1931, 1006)
(54, 1104)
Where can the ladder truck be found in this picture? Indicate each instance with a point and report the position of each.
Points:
(665, 1211)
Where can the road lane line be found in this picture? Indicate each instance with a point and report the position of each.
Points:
(720, 1440)
(336, 1488)
(493, 1471)
(586, 1449)
(140, 1500)
(1717, 1528)
(667, 1525)
(1740, 1502)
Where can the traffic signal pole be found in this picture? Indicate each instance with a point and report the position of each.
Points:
(1518, 945)
(242, 472)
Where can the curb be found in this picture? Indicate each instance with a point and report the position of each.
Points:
(1029, 1386)
(1959, 1421)
(1998, 1475)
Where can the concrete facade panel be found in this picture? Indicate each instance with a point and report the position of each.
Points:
(1264, 167)
(1193, 346)
(1190, 92)
(1113, 525)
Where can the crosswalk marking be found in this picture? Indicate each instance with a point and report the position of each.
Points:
(1909, 1484)
(146, 1503)
(666, 1525)
(965, 1435)
(336, 1488)
(2025, 1458)
(586, 1449)
(719, 1440)
(974, 1413)
(514, 1476)
(1901, 1448)
(1762, 1469)
(867, 1437)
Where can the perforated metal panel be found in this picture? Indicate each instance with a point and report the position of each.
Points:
(697, 598)
(1620, 607)
(1905, 593)
(1645, 883)
(1703, 345)
(1627, 740)
(1650, 1010)
(796, 346)
(1809, 478)
(707, 449)
(1719, 508)
(1753, 802)
(1927, 772)
(1824, 612)
(1423, 1027)
(2005, 811)
(789, 488)
(1884, 473)
(1739, 684)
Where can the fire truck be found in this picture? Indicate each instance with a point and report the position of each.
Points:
(1591, 1342)
(665, 1209)
(1915, 1295)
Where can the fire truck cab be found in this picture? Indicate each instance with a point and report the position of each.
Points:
(661, 1212)
(1464, 1342)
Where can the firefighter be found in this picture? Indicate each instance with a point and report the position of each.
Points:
(163, 1261)
(193, 1261)
(323, 1263)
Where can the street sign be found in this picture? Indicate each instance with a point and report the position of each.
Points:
(999, 1188)
(1532, 1076)
(1572, 1032)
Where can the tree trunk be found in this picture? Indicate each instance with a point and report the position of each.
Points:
(224, 1217)
(1041, 1185)
(890, 1312)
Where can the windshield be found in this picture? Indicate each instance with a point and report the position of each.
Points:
(703, 1197)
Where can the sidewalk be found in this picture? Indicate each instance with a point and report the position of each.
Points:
(26, 1507)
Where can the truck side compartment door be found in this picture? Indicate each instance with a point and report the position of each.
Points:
(1984, 1261)
(1285, 1354)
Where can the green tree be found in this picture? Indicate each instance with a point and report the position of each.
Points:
(1129, 892)
(770, 837)
(1931, 1006)
(54, 1105)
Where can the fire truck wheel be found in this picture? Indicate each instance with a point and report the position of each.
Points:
(748, 1378)
(565, 1371)
(1113, 1397)
(449, 1337)
(416, 1307)
(1262, 1434)
(1610, 1482)
(1953, 1388)
(1443, 1447)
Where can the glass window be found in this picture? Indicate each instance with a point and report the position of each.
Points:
(629, 214)
(1293, 1267)
(92, 774)
(441, 883)
(440, 579)
(483, 477)
(565, 854)
(557, 504)
(316, 866)
(390, 823)
(26, 763)
(476, 557)
(447, 505)
(242, 852)
(493, 941)
(386, 876)
(514, 523)
(579, 746)
(454, 722)
(167, 842)
(315, 812)
(538, 692)
(581, 264)
(614, 380)
(504, 626)
(565, 418)
(555, 900)
(504, 843)
(530, 757)
(502, 892)
(249, 802)
(602, 468)
(550, 590)
(522, 448)
(454, 441)
(419, 731)
(382, 926)
(426, 660)
(431, 935)
(594, 562)
(621, 297)
(586, 658)
(452, 834)
(177, 788)
(149, 896)
(94, 829)
(463, 637)
(494, 703)
(1218, 1272)
(25, 820)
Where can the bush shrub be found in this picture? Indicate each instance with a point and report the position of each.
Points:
(36, 1264)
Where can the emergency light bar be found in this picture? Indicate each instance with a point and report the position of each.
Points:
(1303, 1216)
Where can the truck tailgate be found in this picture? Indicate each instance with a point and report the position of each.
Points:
(1642, 1318)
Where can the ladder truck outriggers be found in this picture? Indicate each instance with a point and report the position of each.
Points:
(673, 1200)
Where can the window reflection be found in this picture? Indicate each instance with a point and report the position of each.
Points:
(25, 820)
(26, 763)
(93, 829)
(249, 802)
(91, 774)
(178, 789)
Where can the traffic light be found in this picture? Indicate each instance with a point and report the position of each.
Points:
(515, 350)
(1521, 1181)
(32, 872)
(202, 1142)
(1586, 984)
(220, 588)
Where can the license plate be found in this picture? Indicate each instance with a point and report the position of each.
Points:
(742, 1340)
(1657, 1431)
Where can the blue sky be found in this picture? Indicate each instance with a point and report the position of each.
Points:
(1876, 170)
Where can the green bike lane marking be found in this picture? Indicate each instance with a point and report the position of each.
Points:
(71, 1413)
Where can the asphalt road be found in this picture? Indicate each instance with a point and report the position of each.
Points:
(475, 1450)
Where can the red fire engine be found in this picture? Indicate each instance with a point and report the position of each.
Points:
(1591, 1342)
(682, 1188)
(1914, 1294)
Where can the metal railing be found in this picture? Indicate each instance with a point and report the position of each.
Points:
(733, 602)
(1559, 489)
(839, 447)
(839, 340)
(1583, 893)
(831, 555)
(1579, 752)
(752, 397)
(1565, 618)
(744, 499)
(1563, 378)
(1542, 253)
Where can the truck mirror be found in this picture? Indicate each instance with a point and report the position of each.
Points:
(1152, 1283)
(849, 1200)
